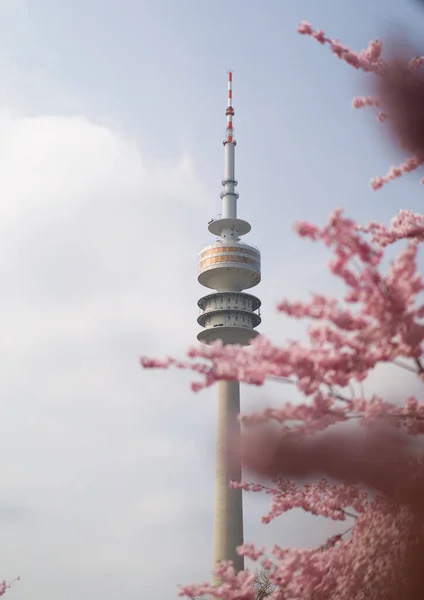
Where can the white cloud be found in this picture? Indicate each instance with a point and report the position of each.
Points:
(96, 245)
(15, 5)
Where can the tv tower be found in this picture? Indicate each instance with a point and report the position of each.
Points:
(228, 266)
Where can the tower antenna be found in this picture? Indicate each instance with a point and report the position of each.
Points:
(230, 111)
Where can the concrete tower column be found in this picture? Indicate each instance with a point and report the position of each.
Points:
(228, 516)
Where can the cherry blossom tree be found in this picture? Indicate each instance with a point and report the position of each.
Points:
(374, 474)
(261, 584)
(4, 585)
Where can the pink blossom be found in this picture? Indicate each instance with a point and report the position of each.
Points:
(4, 586)
(234, 586)
(365, 101)
(320, 498)
(410, 164)
(382, 116)
(399, 89)
(251, 551)
(416, 62)
(387, 538)
(304, 28)
(405, 225)
(368, 60)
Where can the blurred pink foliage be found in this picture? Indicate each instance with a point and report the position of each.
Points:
(377, 473)
(4, 586)
(398, 95)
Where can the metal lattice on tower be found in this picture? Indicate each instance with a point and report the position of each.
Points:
(229, 267)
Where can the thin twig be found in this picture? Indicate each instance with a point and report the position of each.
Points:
(338, 395)
(405, 366)
(348, 514)
(280, 379)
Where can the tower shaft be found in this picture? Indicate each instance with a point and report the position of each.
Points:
(228, 510)
(229, 195)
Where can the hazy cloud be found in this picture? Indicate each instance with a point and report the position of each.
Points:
(95, 245)
(107, 471)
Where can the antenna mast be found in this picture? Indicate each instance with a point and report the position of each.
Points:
(229, 138)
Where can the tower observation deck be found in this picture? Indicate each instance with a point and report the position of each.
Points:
(228, 266)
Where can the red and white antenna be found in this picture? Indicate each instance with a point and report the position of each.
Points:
(229, 138)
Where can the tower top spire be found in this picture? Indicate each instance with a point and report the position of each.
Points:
(227, 225)
(229, 134)
(229, 266)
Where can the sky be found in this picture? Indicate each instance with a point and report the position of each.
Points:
(112, 116)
